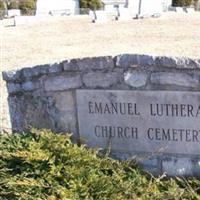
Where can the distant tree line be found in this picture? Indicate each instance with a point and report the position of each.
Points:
(181, 2)
(97, 4)
(27, 7)
(91, 4)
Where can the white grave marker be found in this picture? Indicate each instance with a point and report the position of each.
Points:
(14, 12)
(179, 10)
(57, 7)
(144, 8)
(190, 10)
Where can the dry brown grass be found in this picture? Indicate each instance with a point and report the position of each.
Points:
(61, 38)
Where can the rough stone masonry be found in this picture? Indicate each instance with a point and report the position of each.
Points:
(45, 96)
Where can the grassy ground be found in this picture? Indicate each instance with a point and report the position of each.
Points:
(42, 165)
(60, 38)
(68, 37)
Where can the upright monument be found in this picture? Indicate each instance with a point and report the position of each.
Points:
(45, 8)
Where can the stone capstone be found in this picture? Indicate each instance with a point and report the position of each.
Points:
(11, 76)
(55, 68)
(40, 70)
(133, 60)
(71, 65)
(166, 61)
(175, 62)
(89, 63)
(29, 73)
(145, 60)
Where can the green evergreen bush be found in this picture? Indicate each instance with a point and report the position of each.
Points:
(27, 7)
(47, 166)
(182, 2)
(13, 5)
(91, 4)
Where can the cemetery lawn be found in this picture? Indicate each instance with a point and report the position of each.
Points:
(60, 38)
(44, 165)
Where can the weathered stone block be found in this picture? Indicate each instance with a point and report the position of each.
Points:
(177, 167)
(55, 68)
(12, 76)
(34, 110)
(40, 70)
(196, 167)
(133, 60)
(198, 62)
(62, 82)
(99, 79)
(30, 86)
(13, 88)
(179, 79)
(166, 61)
(150, 164)
(62, 111)
(191, 63)
(16, 113)
(145, 60)
(91, 63)
(126, 60)
(71, 65)
(27, 73)
(176, 62)
(135, 78)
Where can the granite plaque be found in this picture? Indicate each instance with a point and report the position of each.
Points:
(140, 121)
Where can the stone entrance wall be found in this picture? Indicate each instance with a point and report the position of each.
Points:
(45, 96)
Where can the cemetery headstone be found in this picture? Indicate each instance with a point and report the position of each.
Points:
(190, 10)
(14, 12)
(148, 8)
(57, 7)
(179, 10)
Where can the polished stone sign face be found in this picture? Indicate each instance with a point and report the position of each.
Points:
(140, 121)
